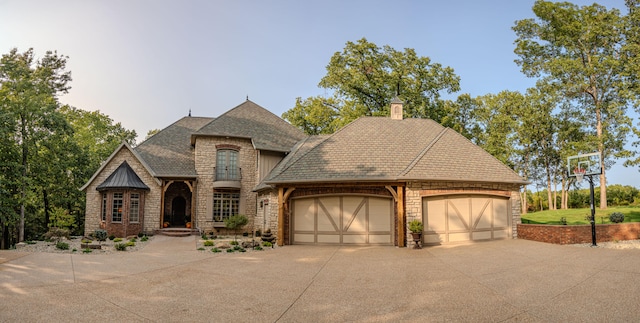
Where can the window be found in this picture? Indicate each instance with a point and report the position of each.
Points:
(104, 207)
(225, 204)
(227, 165)
(134, 207)
(116, 210)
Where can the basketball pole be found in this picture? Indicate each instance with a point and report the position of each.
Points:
(593, 212)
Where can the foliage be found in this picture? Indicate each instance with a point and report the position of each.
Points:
(257, 248)
(62, 245)
(130, 243)
(267, 244)
(87, 250)
(236, 222)
(578, 51)
(215, 250)
(201, 249)
(133, 239)
(120, 246)
(140, 234)
(100, 235)
(117, 239)
(233, 243)
(112, 237)
(144, 238)
(208, 243)
(60, 218)
(416, 226)
(365, 78)
(230, 250)
(56, 234)
(616, 217)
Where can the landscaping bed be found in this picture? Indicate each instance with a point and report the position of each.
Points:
(77, 245)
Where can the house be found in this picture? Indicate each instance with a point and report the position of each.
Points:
(360, 185)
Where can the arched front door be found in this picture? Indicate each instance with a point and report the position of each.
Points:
(178, 211)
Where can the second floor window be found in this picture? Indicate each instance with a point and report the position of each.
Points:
(227, 165)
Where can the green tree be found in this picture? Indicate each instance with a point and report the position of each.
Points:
(364, 78)
(29, 91)
(578, 51)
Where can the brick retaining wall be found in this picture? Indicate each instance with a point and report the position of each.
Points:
(570, 234)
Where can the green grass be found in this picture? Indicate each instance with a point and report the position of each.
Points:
(578, 216)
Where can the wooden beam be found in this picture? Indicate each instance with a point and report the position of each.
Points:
(392, 191)
(281, 202)
(401, 212)
(162, 189)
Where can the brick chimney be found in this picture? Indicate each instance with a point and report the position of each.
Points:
(396, 109)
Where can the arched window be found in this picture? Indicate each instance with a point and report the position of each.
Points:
(227, 165)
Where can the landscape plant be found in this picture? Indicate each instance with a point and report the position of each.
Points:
(236, 222)
(616, 217)
(120, 246)
(62, 245)
(100, 235)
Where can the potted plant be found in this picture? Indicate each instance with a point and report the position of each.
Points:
(416, 228)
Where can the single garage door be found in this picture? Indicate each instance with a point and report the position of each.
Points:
(465, 218)
(342, 220)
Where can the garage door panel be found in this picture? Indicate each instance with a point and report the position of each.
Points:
(465, 218)
(343, 220)
(304, 211)
(328, 214)
(379, 214)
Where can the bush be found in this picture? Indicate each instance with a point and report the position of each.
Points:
(616, 217)
(121, 246)
(233, 243)
(117, 239)
(267, 244)
(416, 226)
(230, 250)
(144, 238)
(208, 243)
(87, 250)
(130, 243)
(201, 248)
(62, 246)
(100, 235)
(111, 237)
(134, 239)
(140, 234)
(215, 250)
(56, 233)
(86, 241)
(257, 248)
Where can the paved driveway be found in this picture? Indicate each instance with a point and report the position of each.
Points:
(513, 281)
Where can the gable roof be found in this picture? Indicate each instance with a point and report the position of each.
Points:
(251, 121)
(382, 149)
(124, 178)
(169, 153)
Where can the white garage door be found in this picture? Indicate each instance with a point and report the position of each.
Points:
(465, 218)
(342, 220)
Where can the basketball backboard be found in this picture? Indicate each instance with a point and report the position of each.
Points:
(588, 164)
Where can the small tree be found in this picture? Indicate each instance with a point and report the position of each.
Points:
(236, 222)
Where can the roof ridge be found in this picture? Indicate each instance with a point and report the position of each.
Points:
(423, 152)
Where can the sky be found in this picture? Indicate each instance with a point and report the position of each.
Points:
(147, 63)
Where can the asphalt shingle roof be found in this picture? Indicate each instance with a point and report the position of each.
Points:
(124, 178)
(249, 120)
(169, 153)
(382, 149)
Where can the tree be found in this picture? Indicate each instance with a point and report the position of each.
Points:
(365, 78)
(578, 51)
(28, 93)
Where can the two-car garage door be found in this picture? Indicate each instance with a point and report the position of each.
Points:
(342, 220)
(460, 218)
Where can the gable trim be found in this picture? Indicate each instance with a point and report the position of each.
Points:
(115, 152)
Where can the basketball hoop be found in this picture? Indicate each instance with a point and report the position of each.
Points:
(579, 172)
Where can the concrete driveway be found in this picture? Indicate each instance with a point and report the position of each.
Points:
(512, 281)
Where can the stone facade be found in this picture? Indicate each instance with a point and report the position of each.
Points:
(150, 217)
(205, 162)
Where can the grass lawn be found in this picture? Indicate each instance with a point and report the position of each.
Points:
(578, 216)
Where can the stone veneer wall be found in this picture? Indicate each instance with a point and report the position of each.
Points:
(415, 191)
(269, 209)
(205, 161)
(151, 207)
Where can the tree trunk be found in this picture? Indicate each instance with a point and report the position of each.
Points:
(523, 201)
(549, 194)
(603, 179)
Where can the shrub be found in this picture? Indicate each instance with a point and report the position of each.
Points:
(144, 238)
(111, 237)
(616, 217)
(134, 239)
(215, 250)
(120, 246)
(236, 222)
(140, 234)
(62, 245)
(30, 242)
(204, 237)
(56, 234)
(87, 250)
(416, 226)
(242, 250)
(130, 243)
(86, 241)
(117, 239)
(201, 248)
(230, 250)
(236, 247)
(74, 250)
(100, 235)
(208, 243)
(233, 243)
(267, 244)
(257, 248)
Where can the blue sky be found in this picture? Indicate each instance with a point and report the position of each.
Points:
(146, 63)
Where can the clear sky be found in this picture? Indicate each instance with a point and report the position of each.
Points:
(146, 63)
